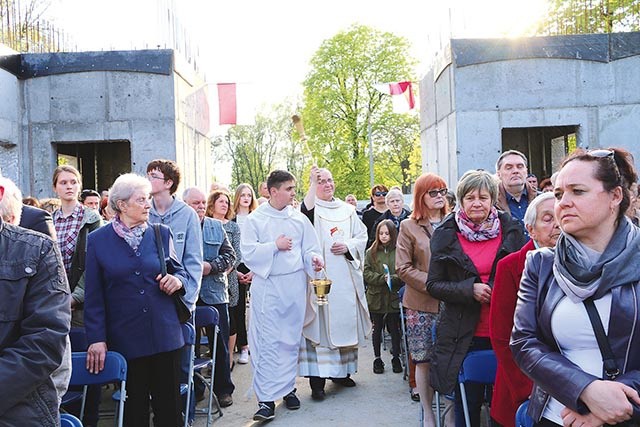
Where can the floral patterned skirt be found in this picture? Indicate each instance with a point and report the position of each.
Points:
(419, 326)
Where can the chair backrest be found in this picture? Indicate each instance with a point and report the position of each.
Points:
(68, 420)
(78, 338)
(401, 292)
(115, 369)
(522, 419)
(479, 366)
(189, 333)
(206, 316)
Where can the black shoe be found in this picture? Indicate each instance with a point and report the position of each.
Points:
(265, 412)
(397, 366)
(291, 401)
(317, 394)
(225, 400)
(414, 396)
(378, 366)
(345, 382)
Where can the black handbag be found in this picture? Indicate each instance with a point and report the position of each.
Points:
(183, 311)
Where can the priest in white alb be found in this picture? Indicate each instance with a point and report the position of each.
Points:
(333, 332)
(280, 247)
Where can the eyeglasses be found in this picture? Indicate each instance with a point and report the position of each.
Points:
(326, 181)
(154, 176)
(380, 193)
(606, 154)
(435, 193)
(601, 153)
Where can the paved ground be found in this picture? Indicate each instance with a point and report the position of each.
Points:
(377, 400)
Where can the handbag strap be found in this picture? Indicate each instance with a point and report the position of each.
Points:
(610, 366)
(160, 248)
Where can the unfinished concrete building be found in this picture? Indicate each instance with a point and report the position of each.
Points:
(540, 95)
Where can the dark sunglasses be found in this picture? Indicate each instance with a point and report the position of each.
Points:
(434, 193)
(380, 193)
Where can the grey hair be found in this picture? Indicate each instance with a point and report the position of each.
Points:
(11, 203)
(531, 215)
(124, 187)
(509, 153)
(187, 192)
(393, 192)
(477, 180)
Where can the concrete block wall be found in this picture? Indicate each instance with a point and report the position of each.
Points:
(9, 125)
(479, 100)
(92, 107)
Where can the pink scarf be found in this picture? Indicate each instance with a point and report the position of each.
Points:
(133, 236)
(486, 230)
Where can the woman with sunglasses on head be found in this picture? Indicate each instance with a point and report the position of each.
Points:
(591, 282)
(465, 249)
(377, 207)
(412, 266)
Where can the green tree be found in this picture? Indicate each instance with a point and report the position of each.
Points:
(340, 102)
(24, 29)
(590, 16)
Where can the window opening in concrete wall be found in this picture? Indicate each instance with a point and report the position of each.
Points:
(545, 147)
(99, 162)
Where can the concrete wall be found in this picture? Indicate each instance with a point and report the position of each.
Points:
(94, 107)
(466, 107)
(9, 125)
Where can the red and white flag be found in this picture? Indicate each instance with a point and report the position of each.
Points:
(401, 95)
(235, 102)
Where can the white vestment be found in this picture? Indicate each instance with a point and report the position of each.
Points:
(278, 295)
(333, 332)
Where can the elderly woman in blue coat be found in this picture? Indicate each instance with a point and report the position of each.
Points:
(129, 306)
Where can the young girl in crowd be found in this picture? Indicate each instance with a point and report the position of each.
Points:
(382, 292)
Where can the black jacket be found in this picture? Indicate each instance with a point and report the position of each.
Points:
(37, 220)
(35, 316)
(451, 278)
(534, 347)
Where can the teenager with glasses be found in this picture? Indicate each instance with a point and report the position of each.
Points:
(591, 282)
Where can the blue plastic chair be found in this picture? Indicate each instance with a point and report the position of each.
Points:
(478, 367)
(404, 346)
(68, 420)
(78, 338)
(207, 316)
(522, 419)
(115, 370)
(189, 334)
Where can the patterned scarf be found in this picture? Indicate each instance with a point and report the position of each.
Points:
(133, 236)
(486, 230)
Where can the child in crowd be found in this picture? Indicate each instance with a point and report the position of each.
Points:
(382, 292)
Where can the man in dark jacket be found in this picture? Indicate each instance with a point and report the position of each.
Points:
(37, 220)
(35, 316)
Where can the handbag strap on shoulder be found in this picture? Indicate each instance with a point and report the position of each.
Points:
(610, 366)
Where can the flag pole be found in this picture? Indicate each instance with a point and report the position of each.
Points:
(370, 151)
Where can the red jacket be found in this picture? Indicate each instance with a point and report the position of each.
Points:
(512, 387)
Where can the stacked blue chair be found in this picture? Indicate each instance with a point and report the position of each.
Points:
(68, 420)
(78, 339)
(207, 316)
(405, 349)
(478, 367)
(115, 371)
(522, 419)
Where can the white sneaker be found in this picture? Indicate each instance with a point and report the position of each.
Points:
(243, 359)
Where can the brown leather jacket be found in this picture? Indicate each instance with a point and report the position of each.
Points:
(413, 255)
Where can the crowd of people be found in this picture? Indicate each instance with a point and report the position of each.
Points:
(542, 273)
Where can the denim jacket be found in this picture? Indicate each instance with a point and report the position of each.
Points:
(35, 317)
(219, 253)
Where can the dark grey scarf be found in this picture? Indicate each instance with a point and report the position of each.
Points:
(579, 278)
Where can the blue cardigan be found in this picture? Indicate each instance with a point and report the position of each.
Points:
(124, 305)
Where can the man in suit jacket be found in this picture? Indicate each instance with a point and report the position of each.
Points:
(37, 220)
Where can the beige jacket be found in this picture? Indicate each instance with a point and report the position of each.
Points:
(413, 255)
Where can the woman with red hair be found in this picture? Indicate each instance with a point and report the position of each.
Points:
(413, 255)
